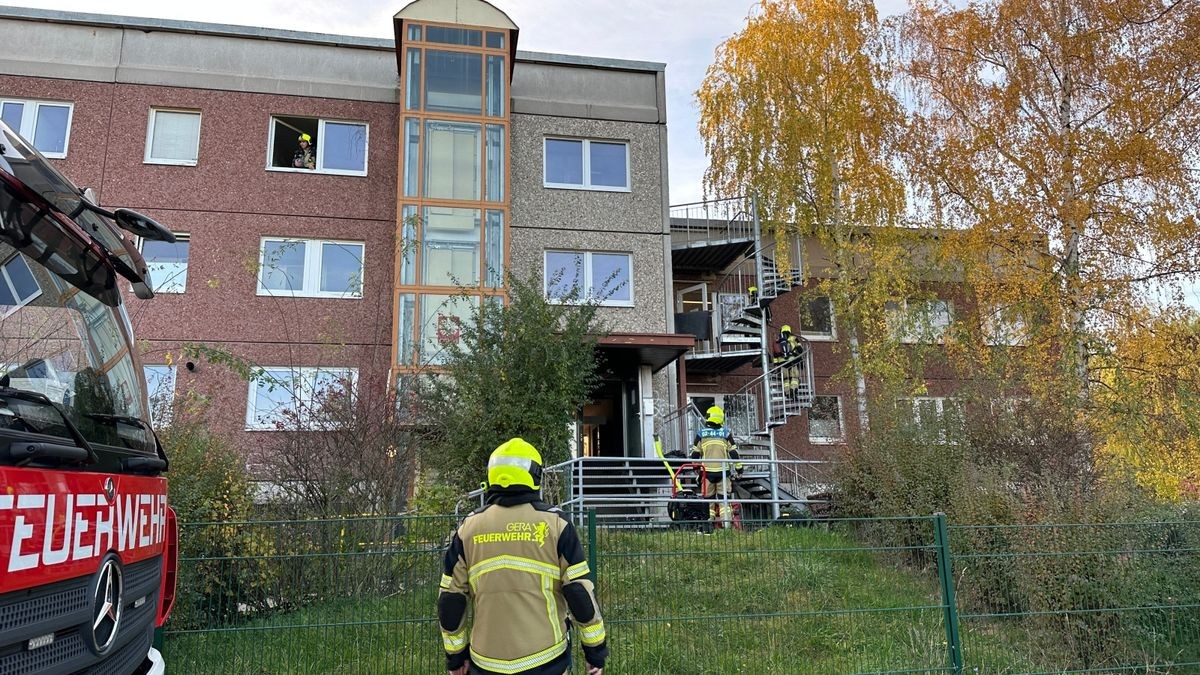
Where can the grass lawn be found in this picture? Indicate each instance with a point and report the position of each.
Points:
(775, 600)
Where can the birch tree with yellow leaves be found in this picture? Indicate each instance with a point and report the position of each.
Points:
(795, 110)
(1060, 139)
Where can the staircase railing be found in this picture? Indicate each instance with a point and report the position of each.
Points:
(717, 220)
(772, 396)
(674, 432)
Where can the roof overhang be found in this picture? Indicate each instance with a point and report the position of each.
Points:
(656, 350)
(476, 13)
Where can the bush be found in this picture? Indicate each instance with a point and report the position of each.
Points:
(223, 577)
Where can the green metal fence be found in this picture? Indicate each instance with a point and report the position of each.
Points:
(899, 595)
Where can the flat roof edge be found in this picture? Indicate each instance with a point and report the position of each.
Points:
(254, 32)
(590, 61)
(177, 26)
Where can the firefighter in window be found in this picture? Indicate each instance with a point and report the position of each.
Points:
(714, 446)
(305, 156)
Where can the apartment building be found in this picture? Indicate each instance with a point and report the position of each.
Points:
(334, 197)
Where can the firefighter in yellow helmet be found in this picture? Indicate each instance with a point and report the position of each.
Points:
(714, 446)
(521, 563)
(305, 156)
(790, 350)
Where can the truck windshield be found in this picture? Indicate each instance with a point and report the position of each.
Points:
(64, 332)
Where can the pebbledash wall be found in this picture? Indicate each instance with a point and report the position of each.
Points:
(113, 71)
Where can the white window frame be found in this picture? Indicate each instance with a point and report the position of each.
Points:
(321, 147)
(1003, 331)
(29, 122)
(179, 236)
(831, 336)
(586, 295)
(841, 422)
(311, 287)
(587, 166)
(12, 288)
(148, 159)
(908, 334)
(174, 374)
(253, 419)
(940, 407)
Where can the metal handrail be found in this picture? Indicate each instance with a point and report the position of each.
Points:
(713, 220)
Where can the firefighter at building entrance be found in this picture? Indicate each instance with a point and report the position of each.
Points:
(521, 563)
(714, 446)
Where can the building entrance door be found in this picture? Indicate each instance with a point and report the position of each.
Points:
(609, 424)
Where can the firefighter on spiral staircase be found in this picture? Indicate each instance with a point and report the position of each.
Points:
(714, 446)
(789, 350)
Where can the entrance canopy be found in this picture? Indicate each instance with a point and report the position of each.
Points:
(656, 350)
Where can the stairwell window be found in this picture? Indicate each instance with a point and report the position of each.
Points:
(816, 320)
(586, 164)
(45, 124)
(310, 268)
(825, 420)
(589, 276)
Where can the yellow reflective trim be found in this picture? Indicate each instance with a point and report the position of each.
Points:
(512, 562)
(446, 581)
(517, 665)
(592, 635)
(551, 607)
(578, 570)
(454, 642)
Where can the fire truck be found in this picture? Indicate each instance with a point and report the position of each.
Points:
(87, 541)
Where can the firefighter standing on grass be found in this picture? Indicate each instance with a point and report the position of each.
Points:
(522, 564)
(714, 445)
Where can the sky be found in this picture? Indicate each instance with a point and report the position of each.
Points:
(680, 33)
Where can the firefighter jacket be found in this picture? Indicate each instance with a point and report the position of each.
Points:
(521, 563)
(713, 444)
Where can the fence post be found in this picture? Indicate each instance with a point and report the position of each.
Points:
(592, 557)
(941, 536)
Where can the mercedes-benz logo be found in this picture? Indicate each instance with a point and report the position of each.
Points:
(110, 490)
(107, 604)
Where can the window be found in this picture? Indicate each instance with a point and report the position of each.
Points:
(291, 398)
(936, 416)
(173, 137)
(587, 275)
(825, 420)
(160, 385)
(168, 264)
(1004, 326)
(46, 125)
(453, 158)
(331, 146)
(586, 164)
(453, 80)
(919, 321)
(442, 321)
(19, 287)
(816, 320)
(310, 268)
(450, 246)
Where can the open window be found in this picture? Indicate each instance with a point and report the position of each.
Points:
(316, 145)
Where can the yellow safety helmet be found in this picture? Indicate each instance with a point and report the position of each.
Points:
(515, 462)
(715, 415)
(305, 137)
(785, 329)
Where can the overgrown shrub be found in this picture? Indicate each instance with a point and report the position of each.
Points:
(223, 574)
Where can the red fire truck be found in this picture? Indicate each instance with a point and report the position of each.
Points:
(87, 540)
